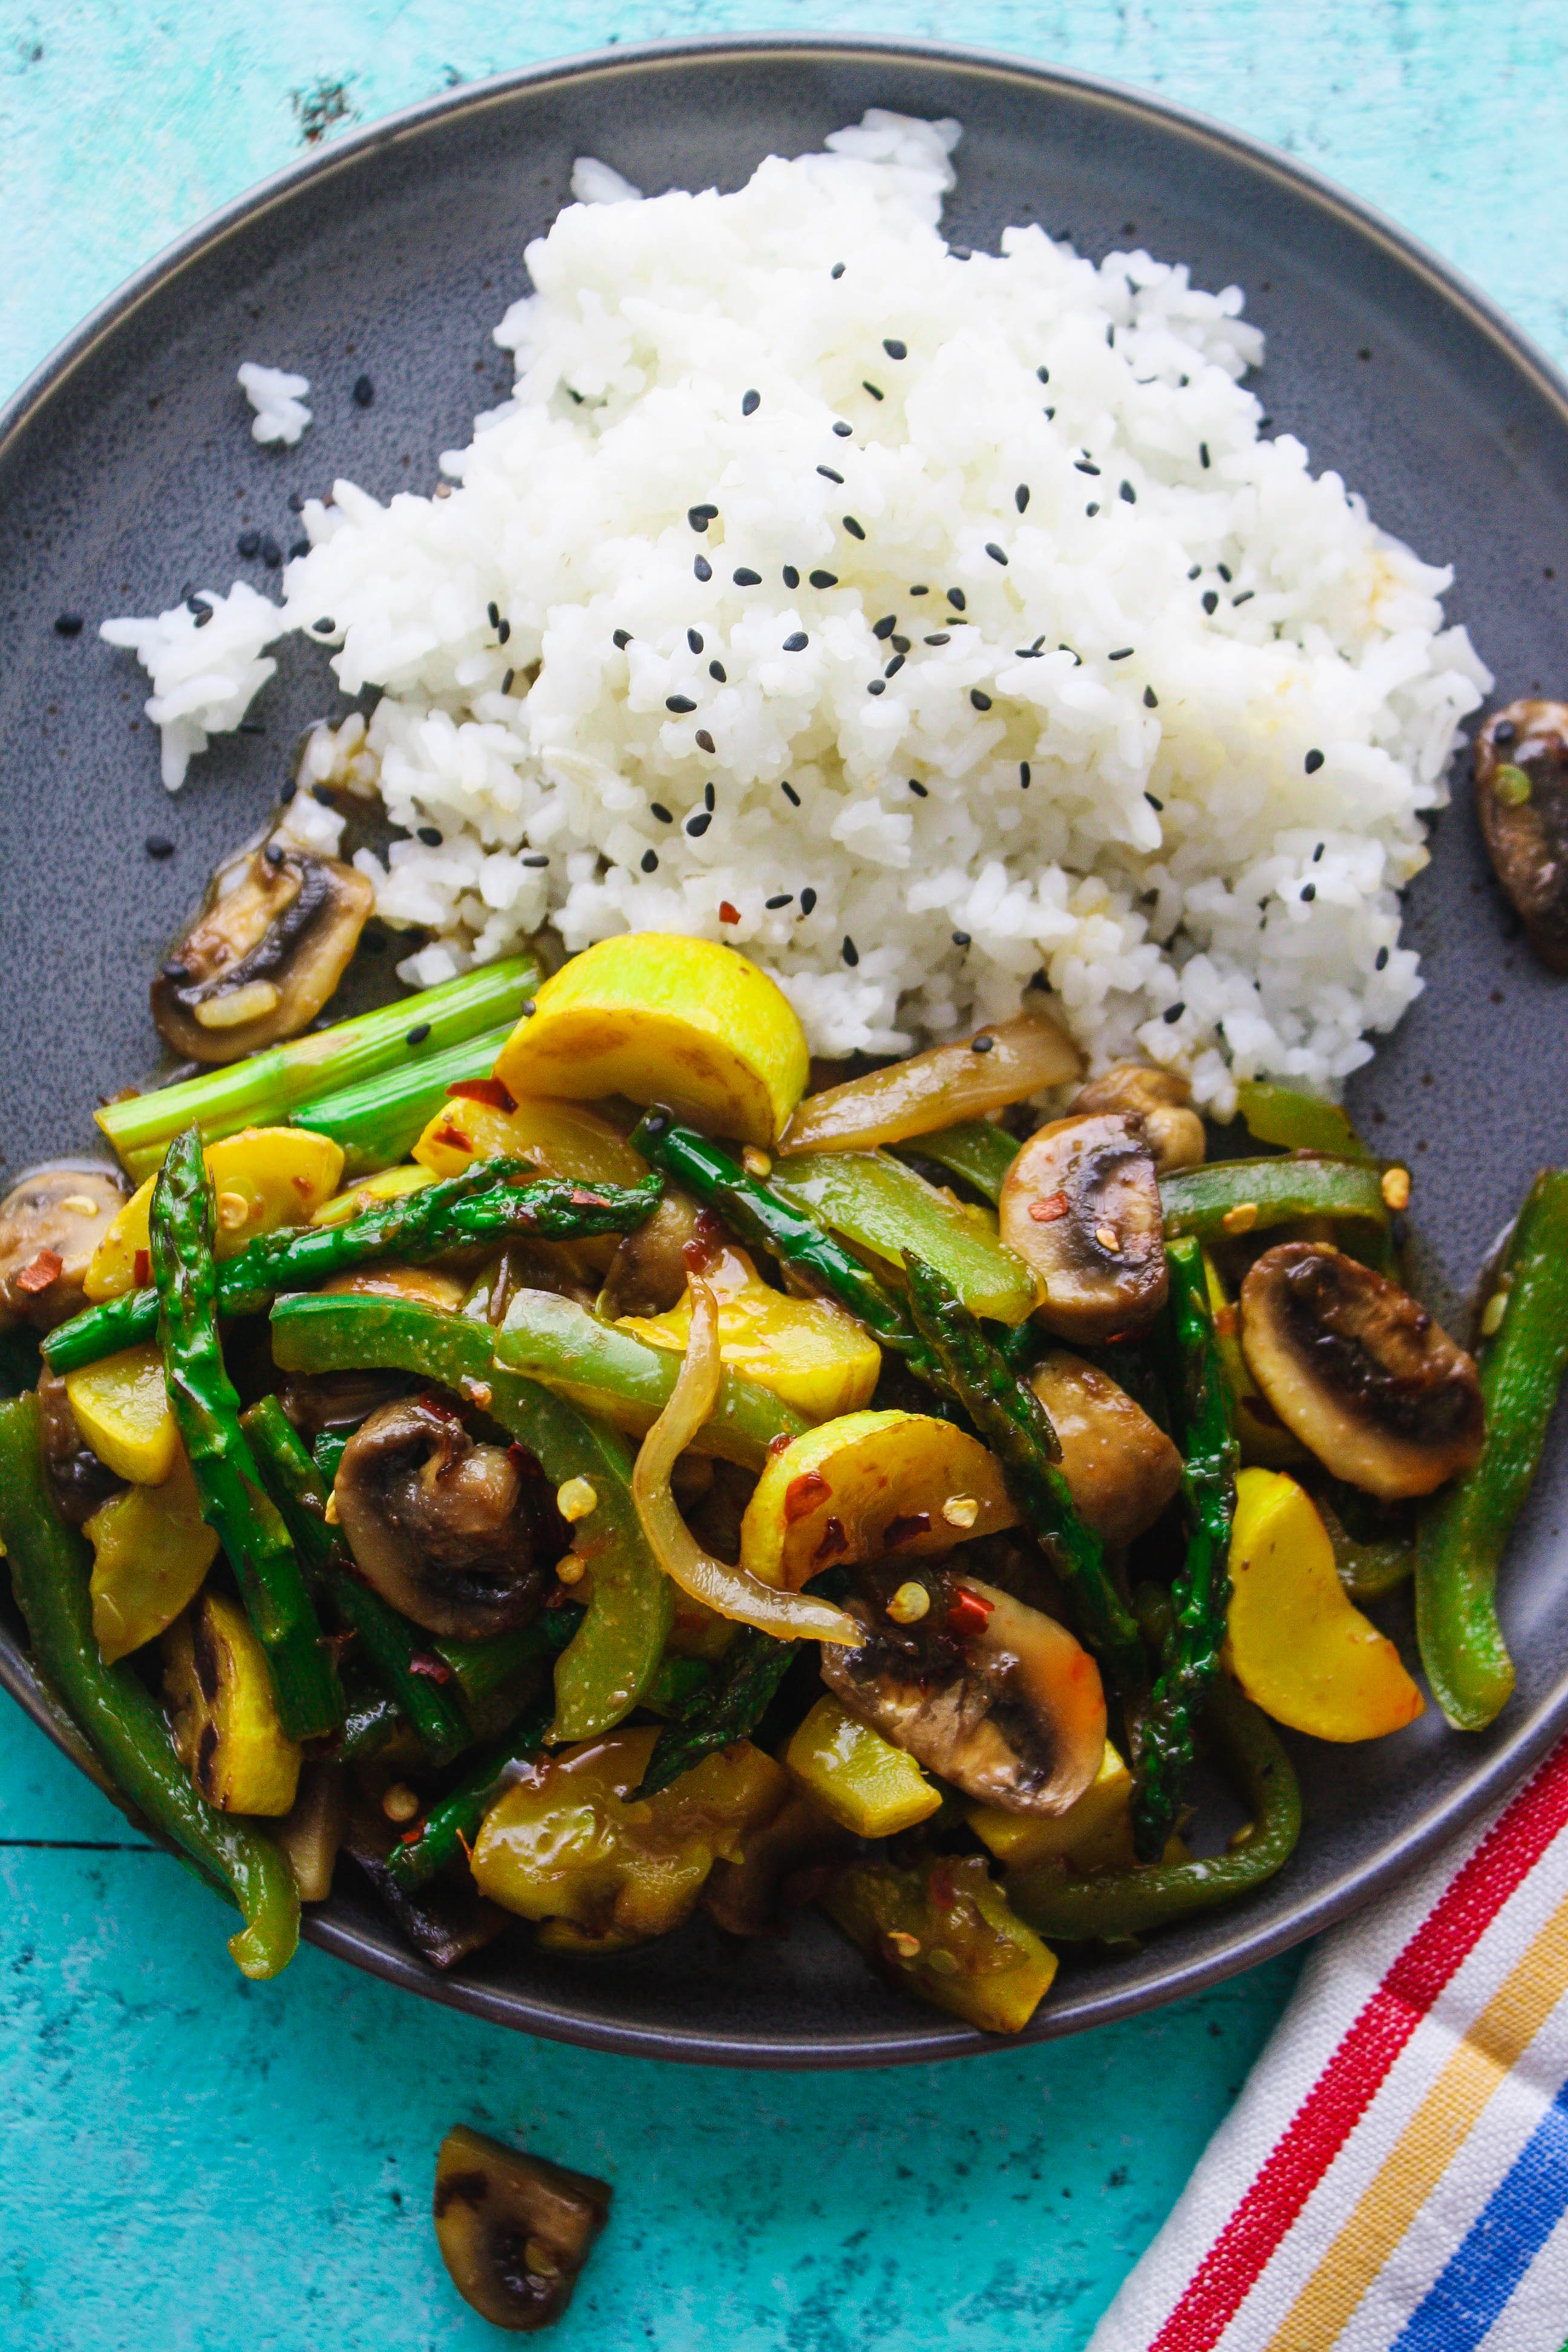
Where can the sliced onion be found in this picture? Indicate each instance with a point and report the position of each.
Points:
(937, 1088)
(790, 1616)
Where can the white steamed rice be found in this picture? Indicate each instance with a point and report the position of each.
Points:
(1174, 745)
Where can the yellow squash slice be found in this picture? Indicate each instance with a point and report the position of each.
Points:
(807, 1351)
(151, 1549)
(559, 1139)
(1094, 1834)
(121, 1408)
(223, 1715)
(872, 1486)
(263, 1178)
(862, 1779)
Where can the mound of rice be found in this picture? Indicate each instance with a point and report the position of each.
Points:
(919, 623)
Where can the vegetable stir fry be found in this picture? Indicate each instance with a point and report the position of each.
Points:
(579, 1473)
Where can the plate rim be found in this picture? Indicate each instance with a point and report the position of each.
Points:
(911, 2037)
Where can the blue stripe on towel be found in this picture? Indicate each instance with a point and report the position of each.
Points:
(1501, 2242)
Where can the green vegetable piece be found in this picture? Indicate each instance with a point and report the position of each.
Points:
(726, 1709)
(1162, 1743)
(378, 1121)
(453, 1822)
(206, 1413)
(492, 1200)
(602, 1672)
(1010, 1419)
(621, 1378)
(400, 1651)
(1299, 1123)
(262, 1090)
(1373, 1543)
(946, 1931)
(1464, 1527)
(1257, 1194)
(1114, 1906)
(116, 1713)
(975, 1150)
(883, 1207)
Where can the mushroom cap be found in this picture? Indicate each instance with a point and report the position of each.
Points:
(264, 955)
(1080, 1207)
(51, 1222)
(514, 2230)
(1521, 801)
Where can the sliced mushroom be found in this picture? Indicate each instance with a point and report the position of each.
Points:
(447, 1531)
(1081, 1207)
(993, 1695)
(648, 1274)
(1122, 1467)
(1174, 1133)
(79, 1482)
(1521, 800)
(514, 2231)
(264, 955)
(1359, 1370)
(319, 1401)
(50, 1224)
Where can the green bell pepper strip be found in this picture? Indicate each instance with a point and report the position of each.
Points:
(1115, 1906)
(1163, 1744)
(387, 1638)
(1369, 1565)
(1011, 1419)
(886, 1208)
(263, 1089)
(604, 1672)
(975, 1150)
(621, 1378)
(1197, 1201)
(1463, 1530)
(1299, 1123)
(727, 1708)
(378, 1121)
(116, 1713)
(492, 1200)
(205, 1409)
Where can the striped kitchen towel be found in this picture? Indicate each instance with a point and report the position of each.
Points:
(1393, 2176)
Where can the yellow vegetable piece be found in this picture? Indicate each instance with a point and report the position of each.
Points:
(263, 1177)
(809, 1352)
(862, 1779)
(559, 1139)
(664, 1019)
(225, 1722)
(121, 1408)
(566, 1842)
(948, 1932)
(871, 1486)
(151, 1549)
(1094, 1834)
(1296, 1642)
(371, 1192)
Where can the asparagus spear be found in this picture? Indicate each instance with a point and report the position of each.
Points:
(206, 1413)
(486, 1202)
(724, 1710)
(1162, 1731)
(264, 1089)
(1011, 1419)
(378, 1120)
(455, 1820)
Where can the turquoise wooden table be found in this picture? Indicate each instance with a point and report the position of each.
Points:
(191, 2161)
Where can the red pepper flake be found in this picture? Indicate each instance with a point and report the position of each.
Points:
(45, 1268)
(435, 1670)
(142, 1268)
(584, 1200)
(706, 1241)
(1225, 1322)
(905, 1529)
(453, 1136)
(1046, 1211)
(944, 1894)
(468, 1848)
(781, 1444)
(728, 914)
(968, 1614)
(413, 1836)
(484, 1090)
(834, 1541)
(304, 1185)
(803, 1493)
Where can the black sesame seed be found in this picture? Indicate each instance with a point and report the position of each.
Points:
(1312, 763)
(698, 825)
(746, 578)
(1382, 960)
(807, 899)
(365, 392)
(920, 590)
(203, 617)
(492, 614)
(288, 792)
(506, 682)
(877, 685)
(536, 858)
(1021, 497)
(750, 403)
(894, 349)
(650, 861)
(249, 544)
(704, 740)
(836, 270)
(791, 576)
(997, 554)
(790, 795)
(323, 793)
(175, 972)
(1044, 373)
(1210, 600)
(980, 1044)
(780, 898)
(875, 390)
(1153, 802)
(1224, 571)
(1173, 1013)
(796, 643)
(1049, 414)
(855, 529)
(701, 517)
(1092, 509)
(325, 625)
(622, 639)
(825, 579)
(1195, 572)
(1129, 493)
(717, 670)
(709, 796)
(943, 637)
(1024, 776)
(894, 666)
(528, 1008)
(678, 702)
(296, 502)
(503, 631)
(900, 645)
(417, 1034)
(1204, 455)
(849, 951)
(829, 475)
(702, 568)
(961, 939)
(1151, 699)
(1122, 653)
(843, 430)
(158, 845)
(1086, 466)
(658, 809)
(694, 639)
(1245, 597)
(886, 626)
(1309, 892)
(918, 789)
(429, 835)
(271, 554)
(955, 598)
(980, 701)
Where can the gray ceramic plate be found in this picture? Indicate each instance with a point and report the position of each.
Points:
(125, 469)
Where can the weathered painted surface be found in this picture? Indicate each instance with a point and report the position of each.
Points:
(192, 2162)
